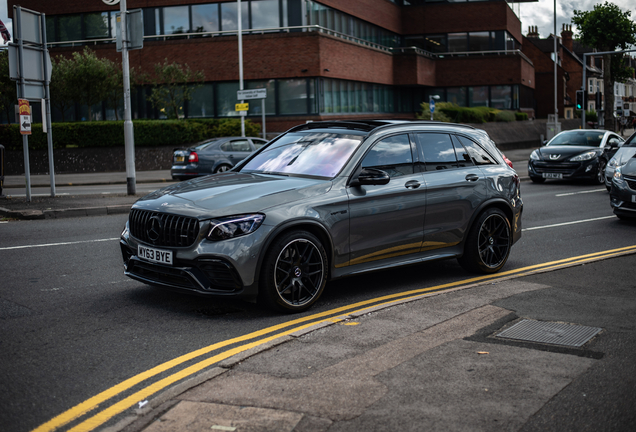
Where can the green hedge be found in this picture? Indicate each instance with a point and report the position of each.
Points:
(520, 116)
(175, 133)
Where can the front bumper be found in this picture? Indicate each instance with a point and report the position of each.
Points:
(222, 269)
(586, 170)
(623, 198)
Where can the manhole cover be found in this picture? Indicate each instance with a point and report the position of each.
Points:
(551, 333)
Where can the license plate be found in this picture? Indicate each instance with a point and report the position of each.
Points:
(180, 158)
(155, 255)
(553, 175)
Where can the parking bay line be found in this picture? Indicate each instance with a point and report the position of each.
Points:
(581, 192)
(568, 223)
(57, 244)
(327, 316)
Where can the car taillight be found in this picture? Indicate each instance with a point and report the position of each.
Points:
(194, 157)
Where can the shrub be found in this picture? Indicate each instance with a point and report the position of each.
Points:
(521, 116)
(505, 116)
(176, 133)
(438, 115)
(591, 116)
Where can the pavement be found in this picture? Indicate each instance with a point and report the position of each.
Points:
(435, 362)
(63, 206)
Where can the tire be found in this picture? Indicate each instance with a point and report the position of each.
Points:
(600, 174)
(294, 273)
(222, 168)
(488, 244)
(537, 179)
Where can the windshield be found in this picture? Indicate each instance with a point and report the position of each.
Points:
(320, 154)
(578, 138)
(631, 141)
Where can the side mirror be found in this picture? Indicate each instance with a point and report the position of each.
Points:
(613, 143)
(370, 176)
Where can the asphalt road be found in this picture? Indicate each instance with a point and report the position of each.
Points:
(73, 325)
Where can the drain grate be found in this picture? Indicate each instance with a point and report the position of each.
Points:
(551, 333)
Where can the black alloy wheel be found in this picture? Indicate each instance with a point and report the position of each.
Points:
(488, 244)
(295, 272)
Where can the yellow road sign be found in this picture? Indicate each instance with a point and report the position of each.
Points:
(242, 107)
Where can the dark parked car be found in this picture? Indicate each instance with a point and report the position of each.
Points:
(212, 156)
(580, 154)
(623, 192)
(327, 200)
(620, 158)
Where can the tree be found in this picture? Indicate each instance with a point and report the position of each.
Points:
(62, 84)
(607, 28)
(173, 85)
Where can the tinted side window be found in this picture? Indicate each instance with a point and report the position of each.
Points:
(259, 143)
(392, 155)
(477, 154)
(463, 158)
(437, 151)
(237, 146)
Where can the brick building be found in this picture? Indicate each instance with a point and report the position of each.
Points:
(327, 59)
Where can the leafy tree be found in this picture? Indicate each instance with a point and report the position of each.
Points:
(607, 28)
(173, 85)
(62, 85)
(8, 95)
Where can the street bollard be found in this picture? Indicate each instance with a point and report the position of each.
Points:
(1, 169)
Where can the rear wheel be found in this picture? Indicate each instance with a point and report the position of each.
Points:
(222, 168)
(488, 243)
(294, 273)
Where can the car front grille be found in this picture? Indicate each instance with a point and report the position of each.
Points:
(563, 168)
(161, 229)
(631, 182)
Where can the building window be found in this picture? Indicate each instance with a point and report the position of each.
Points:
(205, 18)
(457, 42)
(176, 20)
(96, 25)
(229, 16)
(479, 41)
(456, 95)
(501, 97)
(202, 102)
(70, 28)
(478, 96)
(265, 14)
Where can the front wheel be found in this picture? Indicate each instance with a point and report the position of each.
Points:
(600, 175)
(488, 244)
(294, 273)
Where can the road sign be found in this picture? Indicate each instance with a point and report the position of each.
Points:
(431, 105)
(25, 116)
(251, 94)
(242, 107)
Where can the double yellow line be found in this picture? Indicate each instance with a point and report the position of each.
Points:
(261, 337)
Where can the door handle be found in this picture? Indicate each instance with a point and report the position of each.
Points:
(472, 177)
(412, 184)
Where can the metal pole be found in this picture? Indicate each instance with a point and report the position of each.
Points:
(240, 49)
(47, 102)
(263, 118)
(129, 136)
(584, 87)
(25, 139)
(556, 61)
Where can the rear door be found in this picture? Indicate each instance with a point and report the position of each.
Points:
(455, 187)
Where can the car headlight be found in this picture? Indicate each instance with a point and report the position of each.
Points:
(612, 163)
(618, 176)
(584, 156)
(234, 226)
(535, 155)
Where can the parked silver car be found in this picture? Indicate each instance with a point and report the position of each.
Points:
(327, 200)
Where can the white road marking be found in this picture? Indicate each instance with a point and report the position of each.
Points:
(568, 223)
(57, 244)
(581, 192)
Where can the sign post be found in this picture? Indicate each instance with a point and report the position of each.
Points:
(255, 94)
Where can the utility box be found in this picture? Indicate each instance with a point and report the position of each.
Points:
(553, 126)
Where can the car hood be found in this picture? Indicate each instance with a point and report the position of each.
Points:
(230, 193)
(623, 155)
(564, 152)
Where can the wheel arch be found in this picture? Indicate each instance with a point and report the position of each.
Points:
(498, 203)
(314, 227)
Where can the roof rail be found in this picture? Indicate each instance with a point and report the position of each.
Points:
(368, 125)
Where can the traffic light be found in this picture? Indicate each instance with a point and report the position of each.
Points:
(579, 99)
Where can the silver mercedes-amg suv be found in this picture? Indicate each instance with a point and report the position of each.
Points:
(326, 200)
